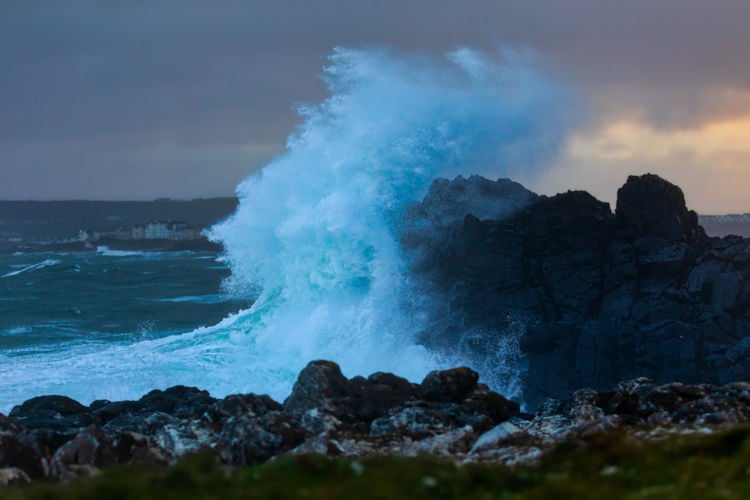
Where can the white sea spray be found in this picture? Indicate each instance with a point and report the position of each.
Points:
(315, 237)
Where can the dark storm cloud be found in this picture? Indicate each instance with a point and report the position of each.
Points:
(137, 99)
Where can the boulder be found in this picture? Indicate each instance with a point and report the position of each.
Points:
(316, 384)
(91, 449)
(449, 386)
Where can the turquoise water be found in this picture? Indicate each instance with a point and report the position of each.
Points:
(52, 301)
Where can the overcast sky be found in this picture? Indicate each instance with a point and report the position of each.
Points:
(180, 98)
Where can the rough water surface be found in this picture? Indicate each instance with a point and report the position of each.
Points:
(314, 243)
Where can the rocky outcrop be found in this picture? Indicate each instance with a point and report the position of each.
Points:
(599, 296)
(55, 436)
(449, 414)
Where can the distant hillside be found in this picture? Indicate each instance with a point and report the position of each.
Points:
(722, 225)
(52, 220)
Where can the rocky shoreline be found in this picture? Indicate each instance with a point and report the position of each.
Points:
(603, 299)
(449, 414)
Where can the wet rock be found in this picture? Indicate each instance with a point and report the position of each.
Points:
(57, 418)
(371, 397)
(492, 404)
(91, 449)
(179, 401)
(317, 384)
(449, 386)
(359, 400)
(239, 404)
(249, 440)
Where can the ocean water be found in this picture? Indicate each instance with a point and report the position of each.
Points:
(313, 246)
(55, 306)
(54, 301)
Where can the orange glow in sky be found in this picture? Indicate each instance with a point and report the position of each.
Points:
(711, 162)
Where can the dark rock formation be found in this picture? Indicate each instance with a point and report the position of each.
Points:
(449, 386)
(449, 414)
(55, 436)
(601, 296)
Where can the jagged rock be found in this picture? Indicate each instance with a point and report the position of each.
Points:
(318, 382)
(428, 419)
(178, 401)
(492, 404)
(318, 422)
(497, 437)
(450, 414)
(648, 205)
(146, 424)
(250, 440)
(184, 436)
(416, 422)
(321, 385)
(449, 386)
(590, 297)
(134, 448)
(369, 398)
(243, 404)
(91, 449)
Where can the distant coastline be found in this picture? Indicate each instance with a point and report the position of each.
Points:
(196, 245)
(57, 226)
(80, 226)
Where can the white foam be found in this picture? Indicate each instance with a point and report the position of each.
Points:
(31, 267)
(106, 251)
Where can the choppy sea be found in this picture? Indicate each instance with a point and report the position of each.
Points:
(51, 301)
(313, 247)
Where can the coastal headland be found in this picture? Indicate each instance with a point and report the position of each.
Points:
(634, 334)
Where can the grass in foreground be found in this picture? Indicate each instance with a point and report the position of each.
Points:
(607, 466)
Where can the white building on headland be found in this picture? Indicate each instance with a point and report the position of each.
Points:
(153, 230)
(178, 230)
(156, 230)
